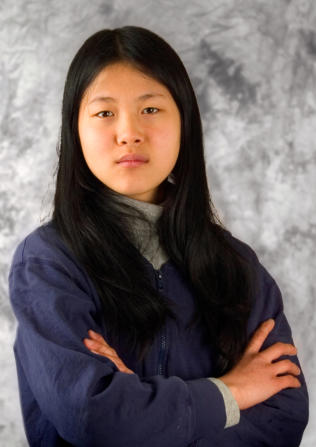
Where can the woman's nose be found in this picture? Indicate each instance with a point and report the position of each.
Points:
(128, 131)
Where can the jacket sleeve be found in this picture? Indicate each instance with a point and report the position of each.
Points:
(84, 395)
(280, 420)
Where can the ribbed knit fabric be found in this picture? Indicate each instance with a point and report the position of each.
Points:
(231, 406)
(145, 238)
(147, 243)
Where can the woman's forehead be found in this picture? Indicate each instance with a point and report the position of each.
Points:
(120, 79)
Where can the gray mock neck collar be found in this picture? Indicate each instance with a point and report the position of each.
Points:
(146, 237)
(151, 210)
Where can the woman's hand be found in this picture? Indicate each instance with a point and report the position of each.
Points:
(99, 346)
(255, 378)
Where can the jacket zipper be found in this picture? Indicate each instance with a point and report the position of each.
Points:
(162, 354)
(163, 337)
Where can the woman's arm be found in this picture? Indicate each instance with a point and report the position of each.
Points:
(255, 378)
(280, 420)
(252, 381)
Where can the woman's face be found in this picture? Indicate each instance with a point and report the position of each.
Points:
(125, 112)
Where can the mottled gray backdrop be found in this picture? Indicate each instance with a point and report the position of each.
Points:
(253, 66)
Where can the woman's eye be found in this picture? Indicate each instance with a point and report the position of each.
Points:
(151, 108)
(104, 111)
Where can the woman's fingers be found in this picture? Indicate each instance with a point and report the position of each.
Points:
(99, 346)
(98, 337)
(275, 351)
(95, 335)
(286, 367)
(98, 341)
(287, 381)
(259, 336)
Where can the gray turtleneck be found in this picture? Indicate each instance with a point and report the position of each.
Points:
(146, 237)
(147, 242)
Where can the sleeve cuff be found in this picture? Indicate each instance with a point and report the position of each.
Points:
(231, 406)
(208, 407)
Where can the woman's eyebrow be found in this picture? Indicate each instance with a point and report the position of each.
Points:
(140, 98)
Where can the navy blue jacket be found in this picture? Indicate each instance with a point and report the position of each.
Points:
(71, 396)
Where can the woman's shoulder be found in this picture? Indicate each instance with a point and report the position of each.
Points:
(240, 246)
(44, 243)
(264, 278)
(42, 257)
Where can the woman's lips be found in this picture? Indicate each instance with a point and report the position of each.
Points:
(133, 157)
(132, 163)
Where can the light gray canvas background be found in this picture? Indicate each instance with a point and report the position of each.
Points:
(253, 67)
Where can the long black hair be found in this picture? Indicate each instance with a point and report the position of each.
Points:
(95, 225)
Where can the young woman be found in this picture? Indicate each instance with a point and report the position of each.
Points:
(142, 321)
